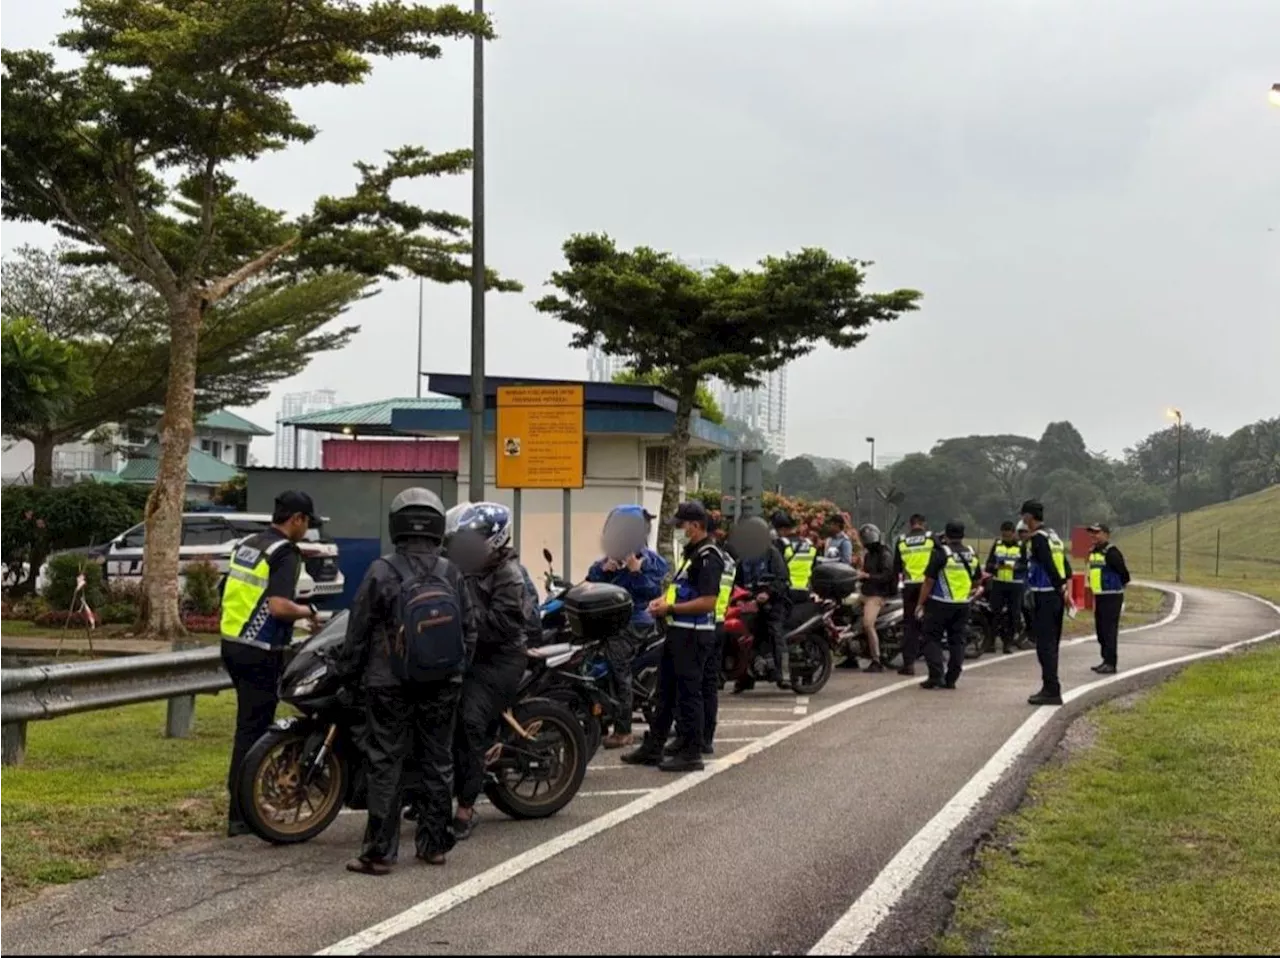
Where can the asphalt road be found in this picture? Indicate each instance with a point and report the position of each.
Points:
(762, 854)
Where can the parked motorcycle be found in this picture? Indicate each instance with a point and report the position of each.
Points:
(299, 775)
(807, 644)
(554, 626)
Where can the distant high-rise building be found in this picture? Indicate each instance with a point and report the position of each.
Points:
(763, 408)
(306, 442)
(601, 367)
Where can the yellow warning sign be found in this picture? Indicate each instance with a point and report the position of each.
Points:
(540, 437)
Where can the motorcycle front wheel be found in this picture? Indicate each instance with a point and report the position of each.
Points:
(813, 653)
(273, 799)
(538, 776)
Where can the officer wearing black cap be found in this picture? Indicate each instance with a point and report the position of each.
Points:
(258, 612)
(1049, 584)
(949, 587)
(689, 653)
(1108, 576)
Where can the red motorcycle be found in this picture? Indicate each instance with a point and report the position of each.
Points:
(741, 661)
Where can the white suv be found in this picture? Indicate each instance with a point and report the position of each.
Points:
(212, 537)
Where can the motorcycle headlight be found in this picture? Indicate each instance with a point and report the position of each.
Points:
(307, 684)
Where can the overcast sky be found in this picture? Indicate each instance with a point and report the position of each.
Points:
(1088, 194)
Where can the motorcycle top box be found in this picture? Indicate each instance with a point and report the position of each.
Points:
(834, 580)
(597, 610)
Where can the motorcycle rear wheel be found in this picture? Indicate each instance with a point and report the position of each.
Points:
(270, 789)
(558, 742)
(592, 728)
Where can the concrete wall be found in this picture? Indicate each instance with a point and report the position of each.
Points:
(615, 476)
(355, 505)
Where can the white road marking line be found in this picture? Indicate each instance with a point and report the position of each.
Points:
(800, 710)
(437, 905)
(802, 700)
(753, 708)
(857, 925)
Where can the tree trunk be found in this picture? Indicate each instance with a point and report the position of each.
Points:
(677, 455)
(42, 462)
(161, 614)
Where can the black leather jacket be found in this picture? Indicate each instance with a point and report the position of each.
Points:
(506, 615)
(372, 620)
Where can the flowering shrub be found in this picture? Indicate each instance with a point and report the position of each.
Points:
(810, 516)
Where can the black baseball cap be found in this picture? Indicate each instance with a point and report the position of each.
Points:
(692, 511)
(1100, 527)
(955, 529)
(293, 503)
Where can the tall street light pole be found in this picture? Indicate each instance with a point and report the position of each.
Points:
(417, 362)
(1176, 414)
(475, 489)
(872, 441)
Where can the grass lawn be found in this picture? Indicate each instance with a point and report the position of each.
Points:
(105, 787)
(31, 630)
(1162, 837)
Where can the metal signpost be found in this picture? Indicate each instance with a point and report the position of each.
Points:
(540, 445)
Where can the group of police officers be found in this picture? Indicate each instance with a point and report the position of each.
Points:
(446, 727)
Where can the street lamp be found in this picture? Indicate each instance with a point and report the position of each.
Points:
(475, 490)
(1274, 96)
(1176, 415)
(872, 441)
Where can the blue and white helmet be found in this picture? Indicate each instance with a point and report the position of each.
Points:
(452, 517)
(490, 521)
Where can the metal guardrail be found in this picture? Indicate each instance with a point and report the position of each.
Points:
(46, 692)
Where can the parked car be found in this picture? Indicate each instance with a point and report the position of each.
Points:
(212, 537)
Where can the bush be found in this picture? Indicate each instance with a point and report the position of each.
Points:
(810, 515)
(63, 571)
(206, 624)
(202, 591)
(119, 613)
(62, 619)
(30, 608)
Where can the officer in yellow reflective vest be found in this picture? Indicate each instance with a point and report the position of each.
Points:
(910, 559)
(1108, 576)
(797, 551)
(1006, 564)
(258, 613)
(949, 587)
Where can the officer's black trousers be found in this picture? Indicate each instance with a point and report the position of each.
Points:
(1106, 618)
(945, 623)
(681, 678)
(1046, 624)
(409, 724)
(255, 674)
(910, 627)
(487, 691)
(1006, 609)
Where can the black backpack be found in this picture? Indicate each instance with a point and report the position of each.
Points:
(429, 644)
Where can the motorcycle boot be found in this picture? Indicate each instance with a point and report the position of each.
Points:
(649, 753)
(686, 760)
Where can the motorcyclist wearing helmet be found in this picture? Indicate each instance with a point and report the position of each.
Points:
(879, 582)
(507, 617)
(403, 719)
(628, 562)
(451, 526)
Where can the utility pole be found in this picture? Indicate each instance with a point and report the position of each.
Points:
(417, 362)
(475, 490)
(1177, 502)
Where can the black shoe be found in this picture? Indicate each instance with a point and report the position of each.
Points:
(875, 666)
(1106, 669)
(646, 754)
(949, 684)
(674, 746)
(1097, 668)
(684, 762)
(1008, 650)
(708, 750)
(464, 828)
(236, 829)
(850, 663)
(930, 683)
(1044, 698)
(743, 685)
(907, 670)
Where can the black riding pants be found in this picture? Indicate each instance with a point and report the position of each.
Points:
(487, 691)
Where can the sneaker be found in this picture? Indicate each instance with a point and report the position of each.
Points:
(1008, 650)
(874, 666)
(930, 683)
(784, 683)
(618, 740)
(1044, 698)
(432, 858)
(1106, 669)
(464, 828)
(907, 670)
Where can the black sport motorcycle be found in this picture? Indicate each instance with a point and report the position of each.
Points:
(305, 769)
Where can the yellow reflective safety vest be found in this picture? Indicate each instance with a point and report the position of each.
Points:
(801, 557)
(1102, 579)
(1008, 555)
(245, 615)
(726, 590)
(954, 583)
(915, 549)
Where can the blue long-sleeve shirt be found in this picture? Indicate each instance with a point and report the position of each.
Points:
(644, 586)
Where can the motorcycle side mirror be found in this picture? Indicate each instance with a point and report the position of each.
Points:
(546, 554)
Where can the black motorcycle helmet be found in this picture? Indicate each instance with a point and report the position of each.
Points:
(782, 520)
(416, 513)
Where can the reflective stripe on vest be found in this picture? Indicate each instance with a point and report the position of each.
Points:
(915, 551)
(245, 610)
(1007, 558)
(726, 590)
(1103, 580)
(955, 582)
(1037, 578)
(682, 590)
